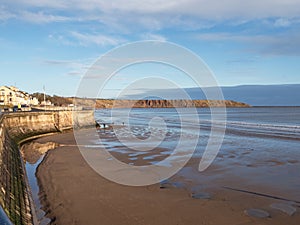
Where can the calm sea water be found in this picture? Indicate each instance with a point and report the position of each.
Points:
(266, 115)
(261, 147)
(272, 121)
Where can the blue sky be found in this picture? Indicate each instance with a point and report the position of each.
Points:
(53, 43)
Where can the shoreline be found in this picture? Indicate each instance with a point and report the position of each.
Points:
(72, 193)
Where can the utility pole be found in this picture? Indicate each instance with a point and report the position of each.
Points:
(44, 97)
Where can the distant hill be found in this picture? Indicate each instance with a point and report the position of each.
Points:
(56, 100)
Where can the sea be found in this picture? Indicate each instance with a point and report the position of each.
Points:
(255, 148)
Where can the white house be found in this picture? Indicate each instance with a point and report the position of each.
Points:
(46, 103)
(34, 101)
(14, 96)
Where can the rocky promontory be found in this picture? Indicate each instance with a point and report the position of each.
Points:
(167, 103)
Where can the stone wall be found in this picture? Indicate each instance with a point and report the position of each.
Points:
(15, 128)
(14, 195)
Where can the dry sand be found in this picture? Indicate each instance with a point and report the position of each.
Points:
(72, 193)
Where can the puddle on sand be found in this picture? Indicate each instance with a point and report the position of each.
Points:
(30, 170)
(33, 154)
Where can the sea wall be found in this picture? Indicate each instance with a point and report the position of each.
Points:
(14, 129)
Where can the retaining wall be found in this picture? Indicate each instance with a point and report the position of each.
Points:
(15, 128)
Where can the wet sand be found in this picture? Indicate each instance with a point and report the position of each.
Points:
(72, 193)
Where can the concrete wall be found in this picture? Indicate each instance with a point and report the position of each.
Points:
(55, 108)
(15, 128)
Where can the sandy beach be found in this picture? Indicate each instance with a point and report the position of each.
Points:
(72, 193)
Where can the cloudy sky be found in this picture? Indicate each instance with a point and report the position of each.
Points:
(53, 43)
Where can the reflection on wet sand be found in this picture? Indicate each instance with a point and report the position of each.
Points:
(32, 151)
(33, 154)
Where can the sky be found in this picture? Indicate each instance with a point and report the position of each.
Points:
(54, 43)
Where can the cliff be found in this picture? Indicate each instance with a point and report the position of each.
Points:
(166, 103)
(181, 103)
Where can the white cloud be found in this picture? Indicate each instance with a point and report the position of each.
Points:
(68, 63)
(276, 44)
(155, 12)
(282, 45)
(87, 38)
(74, 67)
(151, 36)
(146, 19)
(60, 39)
(98, 39)
(282, 22)
(75, 73)
(210, 9)
(5, 15)
(141, 18)
(41, 17)
(37, 3)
